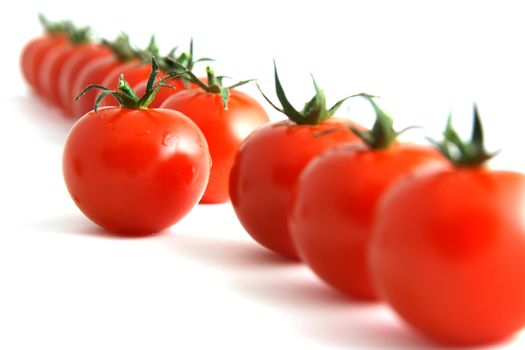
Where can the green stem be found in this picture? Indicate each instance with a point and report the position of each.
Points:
(469, 153)
(125, 94)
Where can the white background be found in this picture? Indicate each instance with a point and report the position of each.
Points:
(204, 284)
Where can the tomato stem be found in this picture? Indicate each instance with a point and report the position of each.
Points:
(54, 28)
(121, 48)
(125, 95)
(314, 111)
(382, 134)
(470, 153)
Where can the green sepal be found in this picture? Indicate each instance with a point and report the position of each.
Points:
(382, 134)
(469, 153)
(125, 94)
(313, 112)
(121, 48)
(61, 27)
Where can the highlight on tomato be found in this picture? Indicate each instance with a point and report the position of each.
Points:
(226, 116)
(270, 160)
(97, 69)
(56, 34)
(133, 170)
(448, 247)
(333, 208)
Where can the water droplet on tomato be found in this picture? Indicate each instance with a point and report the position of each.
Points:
(167, 140)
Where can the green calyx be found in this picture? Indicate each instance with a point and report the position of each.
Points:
(76, 35)
(125, 94)
(151, 51)
(470, 153)
(121, 48)
(214, 85)
(52, 28)
(180, 63)
(313, 112)
(382, 133)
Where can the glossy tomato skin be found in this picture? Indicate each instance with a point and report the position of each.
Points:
(224, 129)
(71, 69)
(93, 73)
(265, 172)
(32, 57)
(448, 254)
(334, 205)
(135, 172)
(134, 72)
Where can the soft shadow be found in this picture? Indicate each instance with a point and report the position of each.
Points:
(80, 225)
(320, 313)
(230, 253)
(48, 118)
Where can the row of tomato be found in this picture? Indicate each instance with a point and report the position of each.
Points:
(429, 230)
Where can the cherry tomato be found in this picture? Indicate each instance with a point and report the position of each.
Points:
(333, 209)
(448, 249)
(266, 170)
(135, 172)
(270, 160)
(224, 129)
(93, 73)
(81, 56)
(33, 54)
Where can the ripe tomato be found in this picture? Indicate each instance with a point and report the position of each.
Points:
(448, 250)
(224, 129)
(333, 209)
(93, 73)
(53, 63)
(134, 170)
(33, 52)
(81, 56)
(265, 172)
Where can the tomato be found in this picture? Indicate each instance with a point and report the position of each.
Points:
(265, 172)
(81, 56)
(134, 170)
(270, 160)
(448, 251)
(333, 210)
(32, 54)
(93, 73)
(29, 52)
(135, 72)
(224, 129)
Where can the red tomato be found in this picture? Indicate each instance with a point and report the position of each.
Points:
(33, 54)
(448, 248)
(224, 129)
(93, 73)
(135, 171)
(135, 72)
(266, 170)
(448, 254)
(52, 68)
(81, 56)
(333, 210)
